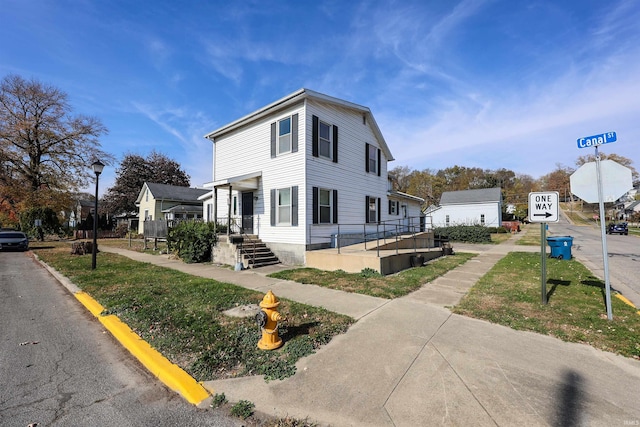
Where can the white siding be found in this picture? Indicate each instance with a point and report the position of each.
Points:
(468, 215)
(248, 150)
(348, 175)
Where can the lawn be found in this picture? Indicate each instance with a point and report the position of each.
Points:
(182, 315)
(510, 295)
(372, 283)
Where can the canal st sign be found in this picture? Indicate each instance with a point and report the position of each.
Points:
(595, 140)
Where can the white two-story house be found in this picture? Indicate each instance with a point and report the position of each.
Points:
(298, 171)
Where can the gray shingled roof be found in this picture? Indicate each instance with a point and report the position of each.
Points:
(175, 193)
(482, 195)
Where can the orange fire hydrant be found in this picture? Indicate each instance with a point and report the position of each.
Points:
(267, 319)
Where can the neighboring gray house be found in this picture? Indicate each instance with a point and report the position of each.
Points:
(468, 207)
(163, 201)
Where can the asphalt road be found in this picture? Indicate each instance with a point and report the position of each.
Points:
(623, 255)
(59, 366)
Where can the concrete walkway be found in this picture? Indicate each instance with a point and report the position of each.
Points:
(410, 361)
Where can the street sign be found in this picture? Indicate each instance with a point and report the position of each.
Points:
(595, 140)
(616, 181)
(544, 206)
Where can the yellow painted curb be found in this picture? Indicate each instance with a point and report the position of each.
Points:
(92, 305)
(169, 373)
(626, 301)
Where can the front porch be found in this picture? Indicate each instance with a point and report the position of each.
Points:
(386, 256)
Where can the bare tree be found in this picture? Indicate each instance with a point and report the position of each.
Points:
(45, 151)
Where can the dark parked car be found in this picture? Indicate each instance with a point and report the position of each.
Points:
(13, 241)
(620, 228)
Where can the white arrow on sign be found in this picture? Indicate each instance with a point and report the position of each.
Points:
(544, 206)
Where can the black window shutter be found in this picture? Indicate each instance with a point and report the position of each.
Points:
(273, 206)
(379, 165)
(294, 205)
(315, 205)
(314, 135)
(294, 133)
(366, 208)
(335, 144)
(378, 209)
(390, 204)
(335, 206)
(366, 157)
(273, 139)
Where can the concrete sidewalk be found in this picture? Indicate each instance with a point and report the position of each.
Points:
(410, 361)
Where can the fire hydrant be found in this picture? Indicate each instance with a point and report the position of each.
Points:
(267, 319)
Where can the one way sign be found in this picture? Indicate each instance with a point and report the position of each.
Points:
(543, 206)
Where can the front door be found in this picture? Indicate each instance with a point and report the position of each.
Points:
(247, 212)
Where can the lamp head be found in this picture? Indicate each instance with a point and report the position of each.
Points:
(97, 167)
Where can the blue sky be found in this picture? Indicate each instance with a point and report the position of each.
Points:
(478, 83)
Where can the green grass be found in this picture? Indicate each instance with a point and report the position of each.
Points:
(510, 295)
(182, 315)
(531, 235)
(497, 238)
(392, 286)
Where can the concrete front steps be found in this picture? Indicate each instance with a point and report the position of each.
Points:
(253, 252)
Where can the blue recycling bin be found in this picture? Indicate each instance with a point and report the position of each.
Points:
(560, 246)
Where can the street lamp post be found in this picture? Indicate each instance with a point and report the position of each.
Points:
(97, 167)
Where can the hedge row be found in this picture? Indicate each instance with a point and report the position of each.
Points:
(465, 233)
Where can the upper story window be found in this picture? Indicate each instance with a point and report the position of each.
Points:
(324, 140)
(372, 159)
(284, 135)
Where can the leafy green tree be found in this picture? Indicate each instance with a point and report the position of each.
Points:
(49, 222)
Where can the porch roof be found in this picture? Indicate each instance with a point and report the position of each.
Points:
(247, 181)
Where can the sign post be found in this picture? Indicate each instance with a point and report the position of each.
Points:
(618, 181)
(543, 208)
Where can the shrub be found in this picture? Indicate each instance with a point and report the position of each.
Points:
(50, 224)
(121, 230)
(465, 233)
(242, 409)
(192, 240)
(218, 400)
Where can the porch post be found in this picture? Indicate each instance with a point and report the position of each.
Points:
(215, 207)
(229, 211)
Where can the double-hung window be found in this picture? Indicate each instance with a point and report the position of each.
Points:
(393, 207)
(372, 204)
(325, 206)
(284, 135)
(372, 159)
(324, 137)
(284, 206)
(324, 140)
